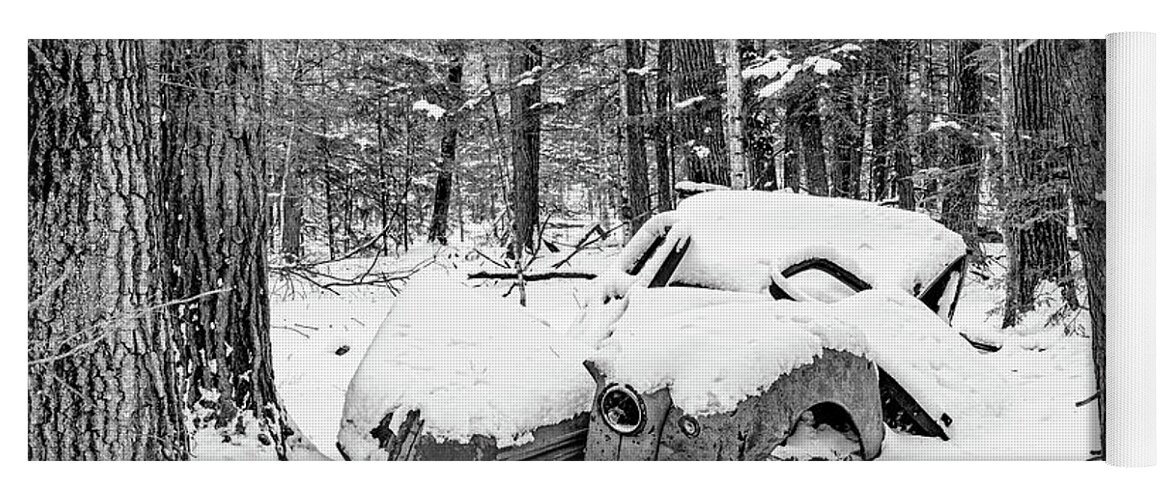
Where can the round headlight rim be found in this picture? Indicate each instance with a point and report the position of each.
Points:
(633, 394)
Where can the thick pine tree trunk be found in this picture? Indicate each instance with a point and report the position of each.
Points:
(1083, 126)
(637, 184)
(102, 381)
(215, 230)
(1035, 218)
(524, 57)
(664, 131)
(961, 186)
(441, 207)
(699, 122)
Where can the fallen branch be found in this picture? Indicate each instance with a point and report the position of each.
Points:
(532, 277)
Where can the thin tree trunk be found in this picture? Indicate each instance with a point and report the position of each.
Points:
(1083, 126)
(761, 158)
(734, 116)
(880, 121)
(900, 156)
(102, 376)
(791, 149)
(523, 64)
(637, 184)
(664, 128)
(961, 186)
(808, 121)
(439, 216)
(215, 230)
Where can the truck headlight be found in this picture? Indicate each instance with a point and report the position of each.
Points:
(622, 409)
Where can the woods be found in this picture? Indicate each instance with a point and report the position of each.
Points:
(170, 183)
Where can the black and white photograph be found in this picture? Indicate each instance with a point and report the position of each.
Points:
(668, 249)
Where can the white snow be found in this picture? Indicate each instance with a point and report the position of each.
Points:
(1014, 404)
(768, 69)
(471, 363)
(738, 237)
(938, 124)
(715, 349)
(433, 110)
(689, 102)
(821, 65)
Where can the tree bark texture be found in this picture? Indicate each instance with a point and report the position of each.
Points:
(961, 186)
(215, 227)
(664, 131)
(698, 118)
(637, 183)
(450, 129)
(102, 383)
(1035, 218)
(523, 67)
(1083, 126)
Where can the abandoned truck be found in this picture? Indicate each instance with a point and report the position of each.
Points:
(741, 326)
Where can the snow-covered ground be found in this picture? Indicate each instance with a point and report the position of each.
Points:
(1022, 406)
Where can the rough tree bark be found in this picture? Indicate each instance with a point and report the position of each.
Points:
(214, 229)
(664, 131)
(1035, 218)
(524, 64)
(1083, 126)
(450, 128)
(847, 128)
(292, 184)
(734, 116)
(637, 189)
(761, 157)
(699, 125)
(961, 184)
(899, 142)
(880, 151)
(791, 150)
(102, 381)
(808, 122)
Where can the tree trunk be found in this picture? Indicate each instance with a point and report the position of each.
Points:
(524, 69)
(637, 188)
(1036, 213)
(292, 185)
(439, 216)
(102, 381)
(734, 116)
(808, 121)
(215, 229)
(900, 157)
(791, 150)
(1083, 126)
(761, 158)
(699, 124)
(961, 185)
(880, 151)
(847, 138)
(664, 158)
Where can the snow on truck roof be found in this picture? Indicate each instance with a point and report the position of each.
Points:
(737, 237)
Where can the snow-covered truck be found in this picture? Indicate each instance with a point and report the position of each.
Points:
(743, 325)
